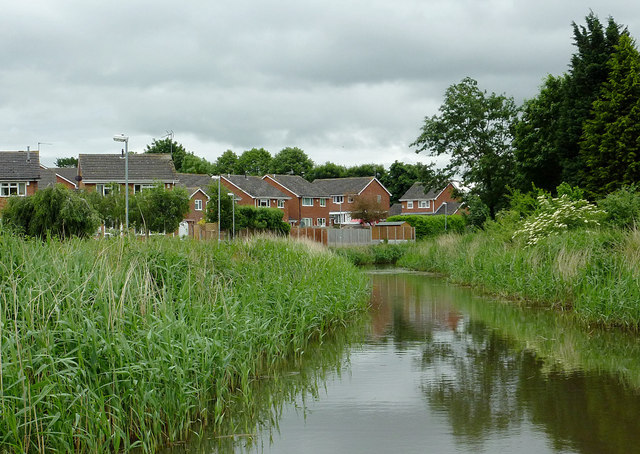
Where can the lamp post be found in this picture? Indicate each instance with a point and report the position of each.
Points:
(233, 211)
(445, 215)
(125, 139)
(217, 177)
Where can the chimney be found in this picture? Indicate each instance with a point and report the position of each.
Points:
(28, 154)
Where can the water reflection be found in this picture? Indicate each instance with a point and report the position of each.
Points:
(439, 369)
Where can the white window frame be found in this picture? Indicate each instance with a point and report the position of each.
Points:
(198, 205)
(338, 199)
(8, 189)
(306, 222)
(350, 199)
(323, 202)
(263, 203)
(424, 203)
(103, 189)
(139, 187)
(410, 205)
(322, 222)
(281, 203)
(307, 201)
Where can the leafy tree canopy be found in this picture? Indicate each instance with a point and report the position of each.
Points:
(67, 162)
(226, 163)
(195, 164)
(291, 160)
(226, 206)
(256, 161)
(475, 129)
(169, 146)
(326, 170)
(159, 209)
(368, 210)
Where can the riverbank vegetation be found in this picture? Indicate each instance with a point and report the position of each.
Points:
(112, 344)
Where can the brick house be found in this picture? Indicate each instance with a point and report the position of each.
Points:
(197, 186)
(255, 191)
(19, 174)
(416, 201)
(98, 171)
(50, 176)
(327, 202)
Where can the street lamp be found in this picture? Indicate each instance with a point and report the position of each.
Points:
(233, 211)
(445, 215)
(125, 139)
(217, 177)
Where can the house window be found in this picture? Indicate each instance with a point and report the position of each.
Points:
(263, 203)
(350, 199)
(141, 187)
(379, 198)
(307, 202)
(410, 205)
(338, 199)
(280, 203)
(9, 189)
(424, 203)
(198, 206)
(103, 189)
(306, 222)
(323, 202)
(322, 222)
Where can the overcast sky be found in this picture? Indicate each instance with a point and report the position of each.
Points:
(348, 81)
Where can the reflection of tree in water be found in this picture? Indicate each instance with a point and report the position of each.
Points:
(473, 378)
(484, 386)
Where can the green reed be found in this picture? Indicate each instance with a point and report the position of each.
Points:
(116, 344)
(594, 273)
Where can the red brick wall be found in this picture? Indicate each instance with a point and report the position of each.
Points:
(242, 198)
(193, 215)
(445, 196)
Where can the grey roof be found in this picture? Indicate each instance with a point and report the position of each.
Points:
(395, 209)
(48, 176)
(256, 187)
(452, 207)
(340, 186)
(19, 165)
(142, 167)
(416, 192)
(298, 185)
(195, 181)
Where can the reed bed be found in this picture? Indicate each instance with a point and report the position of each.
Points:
(593, 272)
(118, 344)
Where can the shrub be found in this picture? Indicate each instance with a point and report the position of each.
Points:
(622, 207)
(248, 217)
(429, 226)
(556, 215)
(54, 211)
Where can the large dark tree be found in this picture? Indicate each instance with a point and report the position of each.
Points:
(67, 162)
(476, 130)
(400, 178)
(169, 146)
(291, 160)
(159, 209)
(548, 135)
(366, 170)
(611, 140)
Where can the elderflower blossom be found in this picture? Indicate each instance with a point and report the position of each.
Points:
(557, 215)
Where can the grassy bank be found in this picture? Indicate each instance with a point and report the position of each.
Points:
(107, 345)
(594, 272)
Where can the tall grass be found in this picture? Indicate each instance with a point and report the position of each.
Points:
(111, 345)
(595, 273)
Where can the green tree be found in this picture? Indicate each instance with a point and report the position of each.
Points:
(195, 164)
(326, 170)
(256, 161)
(611, 140)
(476, 131)
(366, 170)
(168, 146)
(536, 139)
(53, 211)
(291, 160)
(159, 209)
(400, 178)
(110, 207)
(256, 219)
(226, 207)
(67, 162)
(226, 163)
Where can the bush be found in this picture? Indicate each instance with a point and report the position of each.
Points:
(556, 215)
(54, 211)
(430, 226)
(622, 207)
(248, 217)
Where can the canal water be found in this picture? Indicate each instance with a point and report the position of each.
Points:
(437, 368)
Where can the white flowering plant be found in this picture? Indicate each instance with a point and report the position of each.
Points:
(557, 215)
